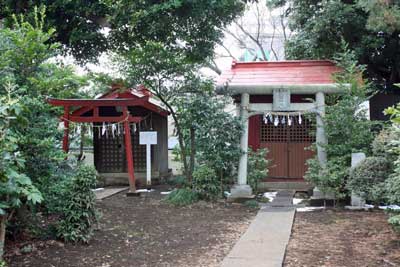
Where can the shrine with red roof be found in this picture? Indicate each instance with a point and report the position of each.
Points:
(282, 105)
(116, 119)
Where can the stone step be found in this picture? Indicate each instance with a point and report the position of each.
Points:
(284, 198)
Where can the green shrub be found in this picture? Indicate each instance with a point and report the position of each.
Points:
(367, 179)
(252, 204)
(331, 178)
(206, 183)
(383, 145)
(78, 212)
(257, 166)
(55, 186)
(392, 186)
(177, 181)
(394, 221)
(182, 197)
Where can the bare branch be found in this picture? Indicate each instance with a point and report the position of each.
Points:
(254, 40)
(272, 44)
(212, 65)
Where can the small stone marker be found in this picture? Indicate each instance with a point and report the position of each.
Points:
(356, 201)
(148, 138)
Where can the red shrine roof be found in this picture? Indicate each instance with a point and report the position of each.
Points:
(295, 72)
(117, 96)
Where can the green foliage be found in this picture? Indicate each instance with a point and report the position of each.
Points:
(394, 221)
(178, 24)
(29, 152)
(78, 213)
(81, 35)
(392, 186)
(216, 132)
(369, 27)
(26, 50)
(394, 112)
(206, 183)
(182, 197)
(16, 187)
(368, 178)
(385, 143)
(257, 166)
(347, 129)
(177, 181)
(252, 204)
(205, 132)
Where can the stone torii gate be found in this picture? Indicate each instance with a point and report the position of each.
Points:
(279, 80)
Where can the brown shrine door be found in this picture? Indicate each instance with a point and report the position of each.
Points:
(286, 145)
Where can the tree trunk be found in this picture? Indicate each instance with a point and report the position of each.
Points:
(82, 137)
(180, 136)
(221, 177)
(192, 155)
(3, 221)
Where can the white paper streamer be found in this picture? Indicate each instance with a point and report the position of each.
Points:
(103, 129)
(113, 128)
(276, 121)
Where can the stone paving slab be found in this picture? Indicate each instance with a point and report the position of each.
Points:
(264, 243)
(109, 191)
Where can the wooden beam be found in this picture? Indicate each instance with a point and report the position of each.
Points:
(104, 119)
(129, 154)
(97, 102)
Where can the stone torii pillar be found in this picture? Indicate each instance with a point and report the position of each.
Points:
(320, 140)
(242, 189)
(320, 135)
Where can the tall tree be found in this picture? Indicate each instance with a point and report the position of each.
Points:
(192, 26)
(371, 28)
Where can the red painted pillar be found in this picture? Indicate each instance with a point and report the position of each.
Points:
(129, 154)
(65, 144)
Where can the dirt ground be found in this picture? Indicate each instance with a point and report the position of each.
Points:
(145, 231)
(342, 238)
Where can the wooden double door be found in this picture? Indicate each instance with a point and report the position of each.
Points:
(288, 146)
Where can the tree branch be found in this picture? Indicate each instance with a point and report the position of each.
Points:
(254, 40)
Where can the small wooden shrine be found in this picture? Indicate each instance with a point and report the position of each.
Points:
(115, 120)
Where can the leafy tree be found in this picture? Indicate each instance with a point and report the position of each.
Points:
(168, 75)
(28, 145)
(16, 187)
(347, 129)
(370, 27)
(202, 127)
(78, 23)
(210, 133)
(25, 51)
(191, 26)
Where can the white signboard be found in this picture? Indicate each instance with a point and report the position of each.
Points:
(148, 138)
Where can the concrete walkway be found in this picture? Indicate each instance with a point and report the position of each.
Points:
(264, 243)
(108, 192)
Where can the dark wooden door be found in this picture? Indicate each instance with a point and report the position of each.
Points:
(287, 147)
(109, 152)
(110, 155)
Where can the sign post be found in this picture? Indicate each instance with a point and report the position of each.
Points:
(148, 138)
